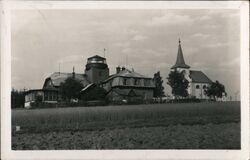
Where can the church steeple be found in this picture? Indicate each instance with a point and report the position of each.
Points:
(180, 63)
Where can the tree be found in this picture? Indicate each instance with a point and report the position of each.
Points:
(159, 89)
(17, 98)
(178, 83)
(71, 88)
(216, 89)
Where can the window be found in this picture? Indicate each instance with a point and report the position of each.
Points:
(204, 87)
(197, 86)
(136, 81)
(124, 81)
(146, 82)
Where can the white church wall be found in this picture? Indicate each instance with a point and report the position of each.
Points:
(198, 90)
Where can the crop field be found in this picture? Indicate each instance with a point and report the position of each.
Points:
(153, 126)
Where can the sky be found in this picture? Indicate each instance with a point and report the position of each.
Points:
(43, 39)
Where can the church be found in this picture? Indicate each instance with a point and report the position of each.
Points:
(198, 81)
(125, 84)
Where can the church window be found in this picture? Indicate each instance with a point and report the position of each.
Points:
(204, 87)
(197, 86)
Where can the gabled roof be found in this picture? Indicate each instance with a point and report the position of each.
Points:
(180, 63)
(59, 77)
(199, 77)
(127, 73)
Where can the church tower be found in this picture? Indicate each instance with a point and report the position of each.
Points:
(180, 64)
(96, 69)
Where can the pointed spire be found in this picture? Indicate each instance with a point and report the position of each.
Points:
(180, 63)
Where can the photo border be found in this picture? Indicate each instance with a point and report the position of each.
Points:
(7, 153)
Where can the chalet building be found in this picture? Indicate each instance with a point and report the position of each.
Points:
(125, 84)
(128, 85)
(198, 81)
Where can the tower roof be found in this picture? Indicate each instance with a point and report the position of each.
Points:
(97, 57)
(180, 63)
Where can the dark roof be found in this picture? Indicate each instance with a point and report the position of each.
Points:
(127, 73)
(180, 63)
(199, 77)
(59, 77)
(97, 57)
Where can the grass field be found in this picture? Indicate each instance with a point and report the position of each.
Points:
(211, 125)
(92, 118)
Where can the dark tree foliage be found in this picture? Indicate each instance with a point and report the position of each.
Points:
(94, 93)
(159, 89)
(71, 88)
(216, 89)
(17, 99)
(178, 83)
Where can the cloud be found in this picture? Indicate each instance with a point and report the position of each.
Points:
(170, 19)
(205, 18)
(122, 44)
(70, 59)
(232, 63)
(215, 45)
(139, 38)
(200, 36)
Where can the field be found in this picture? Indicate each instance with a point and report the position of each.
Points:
(211, 125)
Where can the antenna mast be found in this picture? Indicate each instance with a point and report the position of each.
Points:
(104, 50)
(126, 60)
(59, 67)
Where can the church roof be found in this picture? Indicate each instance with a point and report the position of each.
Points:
(59, 77)
(199, 77)
(180, 63)
(127, 73)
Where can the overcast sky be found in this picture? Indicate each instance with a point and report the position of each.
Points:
(41, 39)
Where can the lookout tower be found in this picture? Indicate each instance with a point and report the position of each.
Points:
(96, 69)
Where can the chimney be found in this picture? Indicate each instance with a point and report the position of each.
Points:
(118, 69)
(123, 68)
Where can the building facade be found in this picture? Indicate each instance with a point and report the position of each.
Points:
(198, 81)
(129, 86)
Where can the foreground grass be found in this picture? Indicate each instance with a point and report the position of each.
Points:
(209, 136)
(99, 118)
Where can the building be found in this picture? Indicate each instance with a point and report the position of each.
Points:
(125, 84)
(198, 81)
(40, 95)
(129, 86)
(96, 69)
